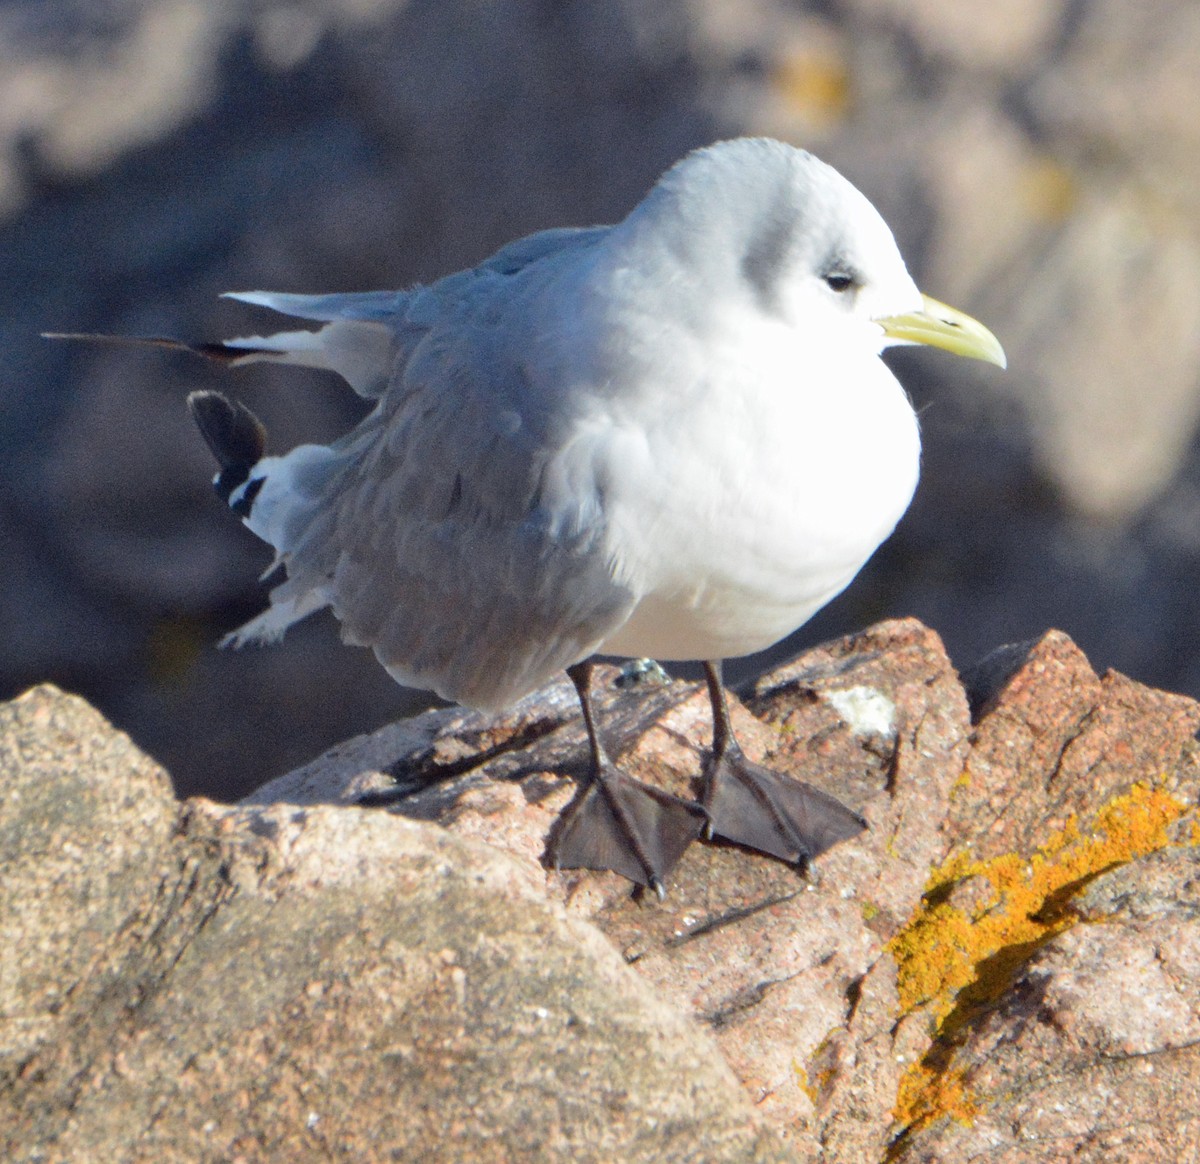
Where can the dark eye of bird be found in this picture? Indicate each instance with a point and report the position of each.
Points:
(839, 281)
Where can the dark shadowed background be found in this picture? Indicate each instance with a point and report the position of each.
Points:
(1038, 160)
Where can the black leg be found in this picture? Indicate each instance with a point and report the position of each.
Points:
(761, 809)
(620, 823)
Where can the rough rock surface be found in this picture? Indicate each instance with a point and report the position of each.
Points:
(777, 966)
(1093, 1053)
(1039, 161)
(205, 983)
(1004, 967)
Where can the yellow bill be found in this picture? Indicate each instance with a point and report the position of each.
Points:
(944, 327)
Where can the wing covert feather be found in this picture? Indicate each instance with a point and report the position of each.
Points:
(443, 539)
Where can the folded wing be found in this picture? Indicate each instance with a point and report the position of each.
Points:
(459, 529)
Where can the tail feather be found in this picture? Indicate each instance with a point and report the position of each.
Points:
(278, 498)
(232, 352)
(358, 340)
(365, 306)
(360, 352)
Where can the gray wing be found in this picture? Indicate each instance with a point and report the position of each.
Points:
(365, 331)
(457, 531)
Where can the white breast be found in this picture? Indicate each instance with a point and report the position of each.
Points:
(740, 513)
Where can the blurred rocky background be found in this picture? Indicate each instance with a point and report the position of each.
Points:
(1038, 159)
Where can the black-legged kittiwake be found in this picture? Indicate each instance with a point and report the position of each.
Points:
(672, 437)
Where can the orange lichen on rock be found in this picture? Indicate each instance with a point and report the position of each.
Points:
(817, 1082)
(927, 1093)
(980, 922)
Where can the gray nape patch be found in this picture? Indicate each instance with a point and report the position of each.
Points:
(767, 256)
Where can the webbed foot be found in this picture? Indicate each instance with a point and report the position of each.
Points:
(621, 824)
(773, 813)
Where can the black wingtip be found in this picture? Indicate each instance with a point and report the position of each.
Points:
(235, 435)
